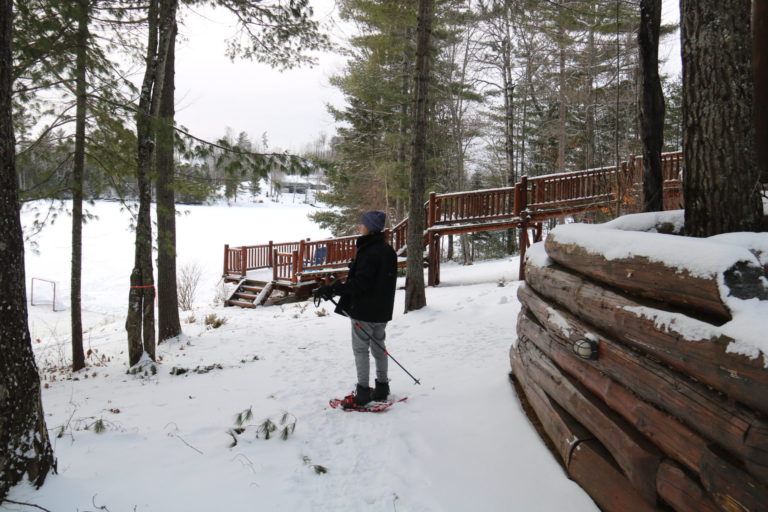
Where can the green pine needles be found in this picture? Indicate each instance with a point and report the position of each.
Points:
(267, 429)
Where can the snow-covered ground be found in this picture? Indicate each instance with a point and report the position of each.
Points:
(460, 442)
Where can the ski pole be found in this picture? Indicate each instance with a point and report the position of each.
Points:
(371, 338)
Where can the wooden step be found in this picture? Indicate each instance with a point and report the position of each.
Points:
(250, 297)
(241, 303)
(252, 288)
(233, 278)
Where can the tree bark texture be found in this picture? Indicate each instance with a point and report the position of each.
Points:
(140, 320)
(760, 70)
(24, 445)
(415, 297)
(651, 109)
(81, 84)
(169, 325)
(721, 176)
(561, 104)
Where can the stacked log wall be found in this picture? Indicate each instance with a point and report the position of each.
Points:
(657, 421)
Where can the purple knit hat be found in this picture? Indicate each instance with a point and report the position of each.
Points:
(373, 220)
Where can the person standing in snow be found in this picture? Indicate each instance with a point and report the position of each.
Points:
(368, 297)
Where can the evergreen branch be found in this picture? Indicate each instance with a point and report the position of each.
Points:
(237, 150)
(32, 505)
(55, 124)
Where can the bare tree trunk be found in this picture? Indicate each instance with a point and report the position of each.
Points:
(651, 109)
(561, 109)
(589, 156)
(721, 176)
(402, 156)
(509, 119)
(140, 321)
(760, 70)
(169, 325)
(83, 18)
(25, 448)
(415, 298)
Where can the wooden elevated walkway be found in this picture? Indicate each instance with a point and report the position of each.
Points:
(298, 267)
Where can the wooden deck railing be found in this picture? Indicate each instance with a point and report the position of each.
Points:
(537, 197)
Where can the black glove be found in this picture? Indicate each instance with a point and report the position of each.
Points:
(324, 292)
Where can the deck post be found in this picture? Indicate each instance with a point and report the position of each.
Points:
(273, 257)
(294, 266)
(270, 254)
(520, 208)
(437, 259)
(226, 256)
(300, 266)
(430, 258)
(243, 260)
(433, 259)
(431, 209)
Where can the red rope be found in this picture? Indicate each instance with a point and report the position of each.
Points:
(149, 286)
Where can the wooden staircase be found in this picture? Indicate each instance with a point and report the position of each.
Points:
(250, 293)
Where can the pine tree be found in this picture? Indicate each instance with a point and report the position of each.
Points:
(651, 104)
(82, 15)
(169, 325)
(24, 443)
(721, 177)
(415, 298)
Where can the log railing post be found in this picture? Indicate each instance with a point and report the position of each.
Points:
(431, 209)
(271, 251)
(275, 264)
(300, 264)
(294, 265)
(226, 258)
(243, 260)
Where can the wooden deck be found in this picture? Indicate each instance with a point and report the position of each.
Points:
(298, 267)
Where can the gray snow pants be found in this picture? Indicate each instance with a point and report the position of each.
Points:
(361, 342)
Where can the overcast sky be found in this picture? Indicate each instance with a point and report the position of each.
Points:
(213, 93)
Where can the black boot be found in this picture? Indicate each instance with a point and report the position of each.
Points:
(362, 395)
(381, 392)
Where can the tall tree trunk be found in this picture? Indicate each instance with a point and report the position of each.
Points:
(760, 70)
(721, 176)
(402, 151)
(651, 105)
(589, 143)
(415, 297)
(561, 109)
(83, 17)
(509, 119)
(25, 448)
(169, 325)
(140, 321)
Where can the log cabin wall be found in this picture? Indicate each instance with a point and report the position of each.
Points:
(656, 421)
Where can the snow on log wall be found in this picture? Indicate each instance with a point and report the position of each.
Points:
(670, 414)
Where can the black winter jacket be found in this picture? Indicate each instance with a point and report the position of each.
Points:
(369, 292)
